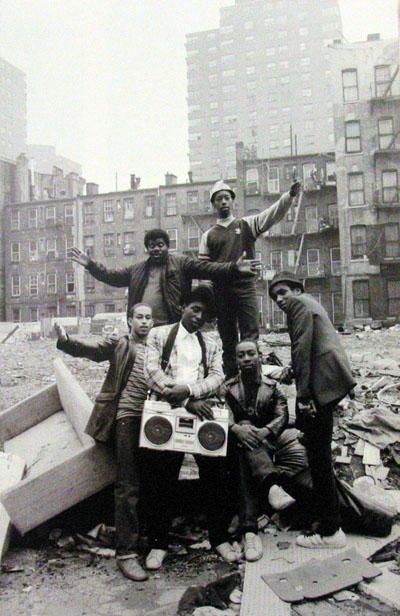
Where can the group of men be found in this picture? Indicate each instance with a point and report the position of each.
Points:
(166, 353)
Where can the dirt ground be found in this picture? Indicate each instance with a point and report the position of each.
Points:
(48, 581)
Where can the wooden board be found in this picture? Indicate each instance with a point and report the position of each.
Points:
(64, 465)
(12, 470)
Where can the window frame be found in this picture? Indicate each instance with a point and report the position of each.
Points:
(363, 314)
(391, 187)
(350, 139)
(352, 191)
(345, 88)
(356, 256)
(385, 135)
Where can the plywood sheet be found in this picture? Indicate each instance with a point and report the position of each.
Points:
(12, 469)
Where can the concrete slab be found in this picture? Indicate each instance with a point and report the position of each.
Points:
(386, 588)
(259, 599)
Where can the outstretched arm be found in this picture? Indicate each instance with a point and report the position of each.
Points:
(260, 223)
(97, 350)
(113, 277)
(203, 269)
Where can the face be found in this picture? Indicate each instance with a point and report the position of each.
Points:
(158, 250)
(194, 316)
(141, 322)
(281, 292)
(247, 356)
(223, 203)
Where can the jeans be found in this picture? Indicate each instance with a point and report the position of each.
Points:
(271, 463)
(161, 495)
(236, 306)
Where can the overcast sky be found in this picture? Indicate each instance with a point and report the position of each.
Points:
(107, 78)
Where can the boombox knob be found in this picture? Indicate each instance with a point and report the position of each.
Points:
(211, 436)
(158, 430)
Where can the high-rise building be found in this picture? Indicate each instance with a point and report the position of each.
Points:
(12, 111)
(262, 78)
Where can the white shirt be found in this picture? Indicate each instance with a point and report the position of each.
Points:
(188, 357)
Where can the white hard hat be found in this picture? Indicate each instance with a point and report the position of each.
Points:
(218, 186)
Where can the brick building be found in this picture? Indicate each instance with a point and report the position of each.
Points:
(367, 131)
(307, 240)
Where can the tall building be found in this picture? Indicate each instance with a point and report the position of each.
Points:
(261, 78)
(12, 111)
(367, 128)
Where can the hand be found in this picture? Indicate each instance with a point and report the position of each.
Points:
(248, 266)
(176, 393)
(295, 189)
(247, 435)
(286, 376)
(201, 408)
(61, 333)
(79, 257)
(307, 409)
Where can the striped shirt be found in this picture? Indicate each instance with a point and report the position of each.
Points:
(134, 394)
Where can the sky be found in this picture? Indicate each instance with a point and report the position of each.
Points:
(106, 79)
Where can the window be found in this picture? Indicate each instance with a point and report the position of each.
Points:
(361, 298)
(33, 250)
(108, 210)
(129, 208)
(170, 204)
(70, 282)
(330, 173)
(51, 283)
(90, 310)
(303, 31)
(276, 259)
(392, 244)
(358, 237)
(352, 136)
(273, 179)
(129, 243)
(16, 315)
(173, 239)
(88, 245)
(309, 171)
(335, 261)
(307, 92)
(252, 185)
(393, 291)
(337, 307)
(292, 257)
(149, 206)
(51, 249)
(15, 252)
(89, 282)
(32, 218)
(193, 237)
(305, 61)
(390, 186)
(385, 133)
(250, 70)
(192, 197)
(278, 316)
(88, 214)
(312, 222)
(109, 308)
(356, 189)
(15, 285)
(51, 215)
(109, 244)
(69, 214)
(313, 268)
(69, 243)
(33, 285)
(71, 310)
(350, 85)
(15, 220)
(382, 80)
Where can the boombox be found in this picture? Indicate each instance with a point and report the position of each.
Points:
(174, 429)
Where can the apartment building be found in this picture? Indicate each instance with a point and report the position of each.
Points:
(367, 128)
(263, 78)
(307, 240)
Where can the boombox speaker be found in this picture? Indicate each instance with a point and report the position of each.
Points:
(174, 429)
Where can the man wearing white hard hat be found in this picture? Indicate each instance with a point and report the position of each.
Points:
(226, 241)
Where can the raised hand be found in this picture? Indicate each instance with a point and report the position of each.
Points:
(61, 333)
(295, 189)
(79, 256)
(248, 266)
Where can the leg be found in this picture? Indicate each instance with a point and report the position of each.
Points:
(126, 492)
(226, 306)
(213, 484)
(248, 312)
(248, 497)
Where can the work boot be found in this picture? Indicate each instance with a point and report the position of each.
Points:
(155, 559)
(316, 541)
(131, 568)
(226, 551)
(279, 499)
(253, 548)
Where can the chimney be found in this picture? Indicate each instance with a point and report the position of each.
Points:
(135, 182)
(22, 180)
(92, 188)
(170, 179)
(374, 37)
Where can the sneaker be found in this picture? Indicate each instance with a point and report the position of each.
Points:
(279, 499)
(226, 551)
(253, 548)
(155, 559)
(131, 568)
(314, 540)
